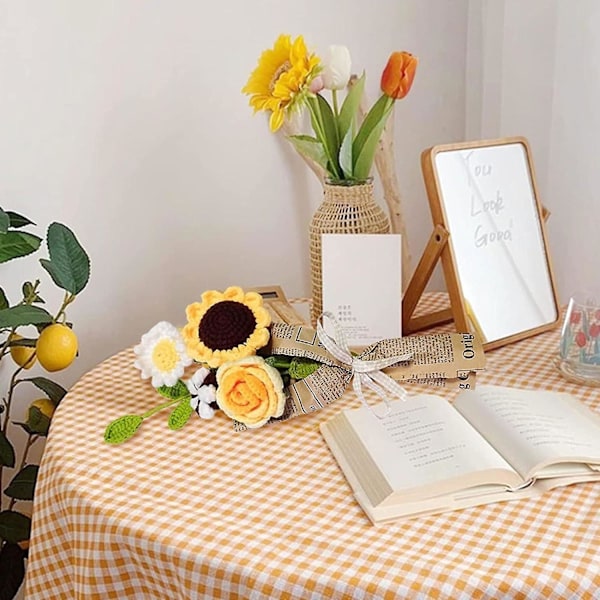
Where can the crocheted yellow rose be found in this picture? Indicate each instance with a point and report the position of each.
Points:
(250, 391)
(226, 326)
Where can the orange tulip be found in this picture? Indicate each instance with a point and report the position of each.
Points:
(398, 75)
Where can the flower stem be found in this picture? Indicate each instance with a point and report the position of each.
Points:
(334, 97)
(160, 407)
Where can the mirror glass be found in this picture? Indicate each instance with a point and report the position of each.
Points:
(489, 205)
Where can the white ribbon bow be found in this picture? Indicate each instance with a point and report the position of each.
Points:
(365, 372)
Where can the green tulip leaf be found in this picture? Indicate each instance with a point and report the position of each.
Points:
(14, 526)
(325, 128)
(23, 314)
(4, 221)
(365, 151)
(379, 112)
(178, 391)
(15, 244)
(7, 452)
(310, 147)
(121, 429)
(69, 265)
(54, 391)
(345, 157)
(180, 415)
(350, 107)
(23, 483)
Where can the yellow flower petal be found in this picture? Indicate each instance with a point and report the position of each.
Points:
(281, 79)
(234, 293)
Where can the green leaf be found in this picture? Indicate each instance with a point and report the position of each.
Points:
(25, 428)
(17, 220)
(54, 391)
(15, 244)
(22, 485)
(279, 361)
(23, 342)
(346, 155)
(330, 129)
(4, 221)
(181, 414)
(12, 570)
(379, 111)
(325, 128)
(121, 429)
(69, 265)
(29, 295)
(14, 526)
(310, 147)
(7, 452)
(17, 316)
(3, 300)
(303, 367)
(350, 107)
(37, 422)
(368, 136)
(177, 392)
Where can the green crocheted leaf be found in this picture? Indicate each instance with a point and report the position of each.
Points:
(303, 367)
(121, 429)
(279, 361)
(181, 414)
(175, 392)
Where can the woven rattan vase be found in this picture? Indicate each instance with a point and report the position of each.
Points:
(346, 208)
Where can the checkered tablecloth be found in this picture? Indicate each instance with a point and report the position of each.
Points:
(206, 512)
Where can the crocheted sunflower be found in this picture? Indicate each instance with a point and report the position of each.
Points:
(226, 326)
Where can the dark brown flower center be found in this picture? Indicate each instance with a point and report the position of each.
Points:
(226, 325)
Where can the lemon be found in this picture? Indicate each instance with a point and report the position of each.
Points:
(22, 354)
(56, 347)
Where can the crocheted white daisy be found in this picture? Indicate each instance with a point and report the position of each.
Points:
(202, 395)
(161, 355)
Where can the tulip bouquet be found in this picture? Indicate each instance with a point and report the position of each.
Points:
(289, 77)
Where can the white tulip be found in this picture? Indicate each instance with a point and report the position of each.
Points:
(336, 68)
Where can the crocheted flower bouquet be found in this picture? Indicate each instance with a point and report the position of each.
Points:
(226, 335)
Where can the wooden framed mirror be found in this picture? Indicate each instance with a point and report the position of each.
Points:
(489, 233)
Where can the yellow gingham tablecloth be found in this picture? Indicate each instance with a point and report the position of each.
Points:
(207, 512)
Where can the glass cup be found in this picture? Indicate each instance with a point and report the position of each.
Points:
(579, 351)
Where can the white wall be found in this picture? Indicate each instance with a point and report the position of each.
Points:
(125, 120)
(534, 70)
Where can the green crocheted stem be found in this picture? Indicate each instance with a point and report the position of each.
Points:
(156, 409)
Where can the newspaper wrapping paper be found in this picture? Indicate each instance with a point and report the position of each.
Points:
(435, 358)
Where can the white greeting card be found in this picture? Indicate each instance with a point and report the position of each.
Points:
(362, 285)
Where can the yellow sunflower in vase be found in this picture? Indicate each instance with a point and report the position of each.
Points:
(281, 78)
(226, 326)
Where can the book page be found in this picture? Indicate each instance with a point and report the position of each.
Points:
(424, 447)
(534, 429)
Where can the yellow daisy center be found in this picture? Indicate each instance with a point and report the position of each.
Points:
(165, 356)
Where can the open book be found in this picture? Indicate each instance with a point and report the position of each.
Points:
(492, 444)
